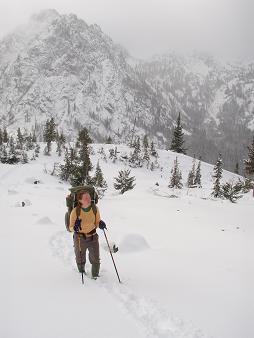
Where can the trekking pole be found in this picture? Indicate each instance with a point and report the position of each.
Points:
(111, 255)
(80, 260)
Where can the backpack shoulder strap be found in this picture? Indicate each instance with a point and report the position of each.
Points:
(94, 209)
(78, 210)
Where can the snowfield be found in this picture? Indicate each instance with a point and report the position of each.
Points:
(186, 262)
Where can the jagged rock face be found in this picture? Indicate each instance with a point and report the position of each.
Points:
(59, 66)
(74, 72)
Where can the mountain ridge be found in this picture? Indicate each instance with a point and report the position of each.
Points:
(59, 66)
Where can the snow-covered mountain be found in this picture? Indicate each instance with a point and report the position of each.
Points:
(57, 65)
(185, 260)
(216, 97)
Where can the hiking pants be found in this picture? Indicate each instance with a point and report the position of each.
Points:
(81, 244)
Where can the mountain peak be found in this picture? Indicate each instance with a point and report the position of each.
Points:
(46, 15)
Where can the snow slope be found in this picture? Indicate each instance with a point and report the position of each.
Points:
(186, 263)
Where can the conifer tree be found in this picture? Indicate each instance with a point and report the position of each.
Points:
(20, 139)
(135, 158)
(29, 142)
(109, 140)
(66, 169)
(84, 137)
(1, 137)
(123, 182)
(197, 179)
(152, 166)
(24, 157)
(231, 191)
(249, 163)
(49, 134)
(153, 151)
(37, 150)
(34, 138)
(59, 148)
(5, 136)
(145, 142)
(217, 177)
(99, 181)
(13, 157)
(146, 156)
(191, 175)
(82, 164)
(177, 142)
(113, 154)
(4, 155)
(176, 177)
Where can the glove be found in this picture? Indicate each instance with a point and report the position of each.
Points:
(77, 225)
(102, 225)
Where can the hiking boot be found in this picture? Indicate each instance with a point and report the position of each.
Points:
(81, 268)
(95, 270)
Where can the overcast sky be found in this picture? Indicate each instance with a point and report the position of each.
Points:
(147, 27)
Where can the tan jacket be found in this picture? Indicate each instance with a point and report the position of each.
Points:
(88, 221)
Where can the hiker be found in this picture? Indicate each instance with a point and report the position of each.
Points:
(84, 221)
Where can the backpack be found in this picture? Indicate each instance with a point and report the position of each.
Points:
(72, 202)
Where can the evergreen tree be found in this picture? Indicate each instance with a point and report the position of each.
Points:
(3, 154)
(33, 158)
(5, 136)
(29, 142)
(217, 176)
(124, 182)
(113, 154)
(109, 140)
(145, 142)
(24, 157)
(177, 143)
(34, 139)
(59, 148)
(13, 157)
(84, 137)
(20, 139)
(62, 138)
(176, 177)
(197, 179)
(247, 185)
(99, 181)
(135, 158)
(146, 156)
(249, 163)
(37, 150)
(1, 137)
(191, 175)
(231, 191)
(49, 134)
(81, 167)
(153, 151)
(66, 169)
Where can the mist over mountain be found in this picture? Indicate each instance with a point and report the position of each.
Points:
(59, 66)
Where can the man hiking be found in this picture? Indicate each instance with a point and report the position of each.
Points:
(84, 220)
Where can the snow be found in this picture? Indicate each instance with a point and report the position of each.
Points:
(186, 263)
(133, 242)
(217, 104)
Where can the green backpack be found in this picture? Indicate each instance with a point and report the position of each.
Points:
(72, 202)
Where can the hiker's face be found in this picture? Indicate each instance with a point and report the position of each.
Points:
(86, 199)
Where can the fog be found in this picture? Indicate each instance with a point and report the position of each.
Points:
(147, 27)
